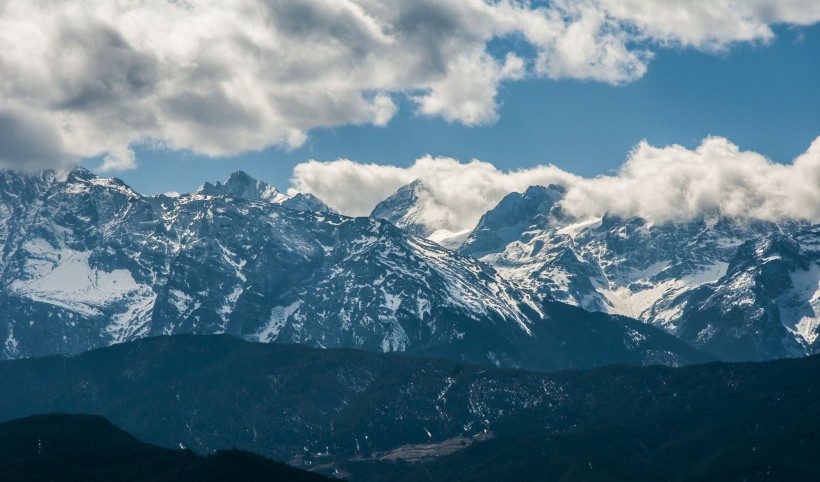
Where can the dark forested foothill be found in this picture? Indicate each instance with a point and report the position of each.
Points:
(63, 447)
(369, 416)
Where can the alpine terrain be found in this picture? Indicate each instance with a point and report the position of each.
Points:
(735, 288)
(738, 289)
(87, 262)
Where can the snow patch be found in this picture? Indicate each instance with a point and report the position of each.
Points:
(449, 239)
(11, 345)
(391, 302)
(228, 256)
(230, 302)
(395, 339)
(65, 277)
(800, 310)
(181, 301)
(278, 318)
(572, 230)
(134, 322)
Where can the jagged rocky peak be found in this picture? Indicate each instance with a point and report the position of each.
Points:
(21, 184)
(307, 202)
(242, 185)
(415, 188)
(18, 184)
(537, 207)
(413, 208)
(405, 209)
(518, 207)
(98, 184)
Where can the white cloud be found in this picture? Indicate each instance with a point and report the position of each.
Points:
(659, 184)
(28, 140)
(221, 78)
(711, 24)
(674, 183)
(459, 192)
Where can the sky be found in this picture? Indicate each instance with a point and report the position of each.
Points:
(350, 98)
(765, 98)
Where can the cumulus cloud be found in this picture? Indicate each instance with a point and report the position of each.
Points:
(659, 184)
(711, 24)
(220, 78)
(463, 191)
(673, 183)
(28, 140)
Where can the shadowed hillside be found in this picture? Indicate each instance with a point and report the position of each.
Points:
(62, 447)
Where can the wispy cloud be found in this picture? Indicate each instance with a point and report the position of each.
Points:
(659, 184)
(220, 78)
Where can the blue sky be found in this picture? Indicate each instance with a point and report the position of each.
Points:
(763, 97)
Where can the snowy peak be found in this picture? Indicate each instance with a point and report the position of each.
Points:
(405, 208)
(535, 208)
(414, 190)
(415, 209)
(241, 185)
(307, 202)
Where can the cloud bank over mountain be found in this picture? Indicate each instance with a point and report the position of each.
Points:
(85, 79)
(659, 184)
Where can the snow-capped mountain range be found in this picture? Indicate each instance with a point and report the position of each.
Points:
(739, 289)
(86, 261)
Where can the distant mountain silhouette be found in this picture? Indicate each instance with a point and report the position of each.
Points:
(63, 447)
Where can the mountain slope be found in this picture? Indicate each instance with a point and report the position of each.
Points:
(661, 274)
(62, 447)
(355, 411)
(765, 306)
(755, 438)
(94, 263)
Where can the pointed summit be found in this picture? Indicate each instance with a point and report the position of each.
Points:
(307, 202)
(512, 216)
(405, 208)
(240, 178)
(241, 185)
